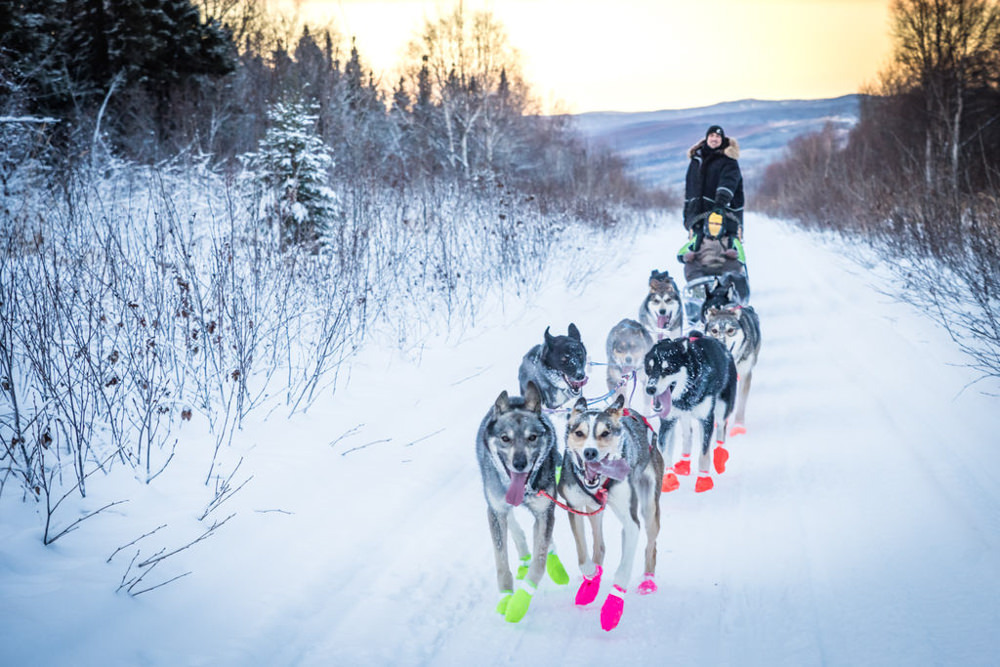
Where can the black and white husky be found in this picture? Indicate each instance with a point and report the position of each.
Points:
(662, 312)
(738, 328)
(610, 462)
(558, 367)
(693, 384)
(516, 448)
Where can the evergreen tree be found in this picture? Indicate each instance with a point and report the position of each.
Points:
(295, 164)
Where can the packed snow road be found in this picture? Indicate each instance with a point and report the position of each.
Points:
(858, 521)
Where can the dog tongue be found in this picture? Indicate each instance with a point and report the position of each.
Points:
(515, 492)
(662, 321)
(617, 469)
(664, 401)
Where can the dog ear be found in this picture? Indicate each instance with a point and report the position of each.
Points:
(731, 292)
(503, 402)
(579, 407)
(573, 331)
(532, 398)
(615, 409)
(548, 337)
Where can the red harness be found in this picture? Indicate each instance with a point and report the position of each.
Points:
(601, 495)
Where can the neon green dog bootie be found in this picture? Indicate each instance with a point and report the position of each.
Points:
(554, 566)
(504, 601)
(517, 606)
(522, 569)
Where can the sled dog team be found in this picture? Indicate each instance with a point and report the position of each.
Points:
(610, 457)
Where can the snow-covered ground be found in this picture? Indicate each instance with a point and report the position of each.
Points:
(858, 522)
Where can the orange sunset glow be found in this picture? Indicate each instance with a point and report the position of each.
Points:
(641, 55)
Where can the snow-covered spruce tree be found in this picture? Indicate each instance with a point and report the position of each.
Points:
(294, 164)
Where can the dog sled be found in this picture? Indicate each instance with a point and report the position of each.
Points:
(714, 252)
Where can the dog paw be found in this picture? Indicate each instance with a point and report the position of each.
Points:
(703, 484)
(611, 611)
(648, 585)
(670, 482)
(517, 606)
(720, 456)
(683, 467)
(522, 569)
(554, 566)
(738, 429)
(504, 601)
(588, 590)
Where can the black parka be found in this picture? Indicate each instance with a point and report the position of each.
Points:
(713, 179)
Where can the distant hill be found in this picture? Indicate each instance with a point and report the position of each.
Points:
(656, 142)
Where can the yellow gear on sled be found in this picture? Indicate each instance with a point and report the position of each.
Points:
(715, 223)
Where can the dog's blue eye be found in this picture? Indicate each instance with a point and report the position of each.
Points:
(532, 437)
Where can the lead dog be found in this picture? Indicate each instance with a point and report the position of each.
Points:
(693, 384)
(557, 367)
(662, 311)
(609, 461)
(738, 328)
(516, 449)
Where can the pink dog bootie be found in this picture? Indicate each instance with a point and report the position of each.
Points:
(587, 592)
(648, 585)
(613, 607)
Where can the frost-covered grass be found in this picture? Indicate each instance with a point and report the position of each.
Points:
(136, 300)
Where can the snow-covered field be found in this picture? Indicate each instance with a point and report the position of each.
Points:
(858, 522)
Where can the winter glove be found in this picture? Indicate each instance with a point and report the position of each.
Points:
(723, 197)
(688, 257)
(731, 253)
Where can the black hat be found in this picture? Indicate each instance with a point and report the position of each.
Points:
(716, 129)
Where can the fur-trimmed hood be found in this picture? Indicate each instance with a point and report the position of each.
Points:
(732, 149)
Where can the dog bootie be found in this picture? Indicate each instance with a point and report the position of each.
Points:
(504, 601)
(670, 482)
(683, 467)
(704, 482)
(522, 569)
(613, 607)
(517, 606)
(738, 429)
(587, 592)
(554, 566)
(719, 457)
(648, 585)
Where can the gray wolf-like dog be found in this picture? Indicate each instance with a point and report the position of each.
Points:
(558, 367)
(693, 384)
(627, 345)
(610, 462)
(517, 453)
(662, 312)
(738, 328)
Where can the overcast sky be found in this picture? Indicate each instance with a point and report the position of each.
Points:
(643, 55)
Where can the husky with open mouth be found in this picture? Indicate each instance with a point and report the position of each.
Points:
(738, 328)
(693, 384)
(558, 367)
(610, 462)
(517, 453)
(662, 311)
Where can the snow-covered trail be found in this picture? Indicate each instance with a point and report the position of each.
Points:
(858, 521)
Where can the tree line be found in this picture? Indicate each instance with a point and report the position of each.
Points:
(918, 177)
(154, 79)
